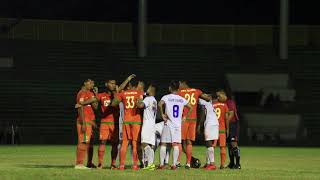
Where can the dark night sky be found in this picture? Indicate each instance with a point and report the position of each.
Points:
(164, 11)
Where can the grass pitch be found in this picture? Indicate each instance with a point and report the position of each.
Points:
(56, 162)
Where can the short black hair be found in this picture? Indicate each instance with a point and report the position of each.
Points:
(134, 82)
(108, 80)
(174, 85)
(153, 86)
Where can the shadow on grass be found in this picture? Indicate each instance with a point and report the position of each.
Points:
(46, 166)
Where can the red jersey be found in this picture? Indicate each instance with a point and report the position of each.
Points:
(232, 107)
(87, 109)
(192, 96)
(221, 110)
(109, 113)
(129, 98)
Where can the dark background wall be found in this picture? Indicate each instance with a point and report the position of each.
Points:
(164, 11)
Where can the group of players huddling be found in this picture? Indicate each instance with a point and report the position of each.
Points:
(128, 117)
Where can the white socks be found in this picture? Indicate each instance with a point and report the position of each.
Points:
(163, 153)
(149, 155)
(175, 154)
(210, 155)
(168, 155)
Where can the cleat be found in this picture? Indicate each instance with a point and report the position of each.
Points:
(121, 168)
(99, 166)
(161, 167)
(237, 166)
(80, 166)
(187, 166)
(211, 167)
(173, 167)
(91, 165)
(113, 167)
(205, 166)
(135, 167)
(150, 167)
(230, 166)
(178, 165)
(222, 167)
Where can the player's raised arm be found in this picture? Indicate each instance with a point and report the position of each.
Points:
(124, 83)
(163, 115)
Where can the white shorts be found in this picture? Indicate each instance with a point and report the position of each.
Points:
(211, 132)
(148, 135)
(171, 135)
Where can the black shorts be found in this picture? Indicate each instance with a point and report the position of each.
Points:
(233, 131)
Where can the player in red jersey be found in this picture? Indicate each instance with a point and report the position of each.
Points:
(189, 126)
(222, 110)
(131, 123)
(85, 121)
(234, 150)
(109, 125)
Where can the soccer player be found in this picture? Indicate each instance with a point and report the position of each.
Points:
(85, 121)
(189, 125)
(148, 127)
(109, 128)
(108, 125)
(211, 132)
(172, 117)
(131, 123)
(234, 150)
(222, 110)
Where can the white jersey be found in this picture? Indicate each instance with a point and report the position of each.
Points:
(211, 117)
(159, 127)
(149, 120)
(174, 108)
(150, 111)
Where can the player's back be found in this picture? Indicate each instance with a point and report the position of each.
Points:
(211, 117)
(221, 109)
(130, 99)
(192, 96)
(174, 108)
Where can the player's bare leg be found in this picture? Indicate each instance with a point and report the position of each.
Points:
(101, 151)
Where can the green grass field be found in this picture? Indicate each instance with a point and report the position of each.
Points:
(56, 162)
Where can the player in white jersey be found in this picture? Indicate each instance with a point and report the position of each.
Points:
(172, 117)
(148, 135)
(211, 132)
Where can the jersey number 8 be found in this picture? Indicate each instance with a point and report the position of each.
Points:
(175, 111)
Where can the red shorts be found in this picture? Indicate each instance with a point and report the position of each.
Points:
(188, 131)
(84, 137)
(109, 132)
(131, 132)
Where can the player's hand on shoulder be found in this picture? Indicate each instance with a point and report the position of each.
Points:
(95, 90)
